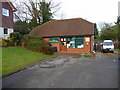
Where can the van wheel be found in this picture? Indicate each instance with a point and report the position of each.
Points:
(112, 51)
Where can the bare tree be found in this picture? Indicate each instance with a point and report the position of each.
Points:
(38, 10)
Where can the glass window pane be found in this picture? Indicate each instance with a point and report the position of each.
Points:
(5, 31)
(71, 42)
(75, 42)
(79, 42)
(5, 12)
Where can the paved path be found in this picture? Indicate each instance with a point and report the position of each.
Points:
(68, 72)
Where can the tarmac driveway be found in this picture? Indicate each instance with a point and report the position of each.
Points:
(68, 72)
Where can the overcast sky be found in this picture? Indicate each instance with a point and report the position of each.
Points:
(96, 11)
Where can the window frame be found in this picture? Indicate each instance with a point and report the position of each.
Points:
(81, 42)
(5, 12)
(6, 31)
(76, 38)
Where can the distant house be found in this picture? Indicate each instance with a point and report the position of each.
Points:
(6, 19)
(69, 35)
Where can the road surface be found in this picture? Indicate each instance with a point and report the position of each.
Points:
(68, 72)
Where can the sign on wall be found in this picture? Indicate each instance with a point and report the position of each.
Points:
(53, 40)
(87, 39)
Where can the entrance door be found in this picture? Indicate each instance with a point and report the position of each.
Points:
(63, 47)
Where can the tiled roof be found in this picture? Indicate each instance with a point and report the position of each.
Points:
(66, 27)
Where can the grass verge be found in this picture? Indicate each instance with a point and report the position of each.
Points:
(117, 50)
(16, 58)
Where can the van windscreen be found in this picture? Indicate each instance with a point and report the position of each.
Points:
(107, 43)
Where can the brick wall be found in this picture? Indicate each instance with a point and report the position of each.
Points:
(88, 48)
(0, 14)
(7, 21)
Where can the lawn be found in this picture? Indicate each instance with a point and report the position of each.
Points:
(15, 58)
(117, 50)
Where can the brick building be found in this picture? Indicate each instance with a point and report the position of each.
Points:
(6, 18)
(68, 35)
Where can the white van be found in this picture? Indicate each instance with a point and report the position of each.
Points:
(108, 46)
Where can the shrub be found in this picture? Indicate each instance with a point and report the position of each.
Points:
(25, 41)
(10, 43)
(46, 48)
(37, 44)
(3, 43)
(15, 39)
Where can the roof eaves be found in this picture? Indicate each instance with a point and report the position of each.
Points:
(11, 5)
(66, 35)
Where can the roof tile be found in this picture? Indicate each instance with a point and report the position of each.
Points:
(66, 27)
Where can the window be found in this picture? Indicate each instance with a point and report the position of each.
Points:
(107, 43)
(79, 42)
(75, 42)
(71, 42)
(5, 12)
(63, 41)
(5, 31)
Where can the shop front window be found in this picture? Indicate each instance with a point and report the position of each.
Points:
(75, 42)
(71, 42)
(63, 41)
(79, 42)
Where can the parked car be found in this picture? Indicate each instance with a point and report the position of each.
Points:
(108, 46)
